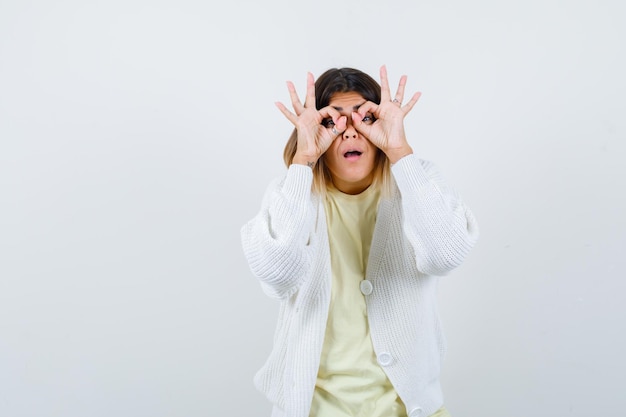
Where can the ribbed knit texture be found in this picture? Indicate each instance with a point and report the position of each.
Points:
(423, 231)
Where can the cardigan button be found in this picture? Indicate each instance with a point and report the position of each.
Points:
(385, 359)
(366, 287)
(416, 412)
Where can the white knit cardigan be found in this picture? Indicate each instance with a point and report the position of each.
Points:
(423, 231)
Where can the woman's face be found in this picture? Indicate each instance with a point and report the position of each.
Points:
(351, 158)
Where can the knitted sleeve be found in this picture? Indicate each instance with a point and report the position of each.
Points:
(440, 227)
(276, 241)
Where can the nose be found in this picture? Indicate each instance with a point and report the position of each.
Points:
(350, 132)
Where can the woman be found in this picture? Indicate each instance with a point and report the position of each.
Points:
(352, 240)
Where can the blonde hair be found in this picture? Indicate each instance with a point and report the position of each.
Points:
(342, 80)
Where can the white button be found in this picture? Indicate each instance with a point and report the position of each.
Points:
(416, 412)
(385, 359)
(366, 287)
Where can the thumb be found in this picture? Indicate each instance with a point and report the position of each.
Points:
(357, 122)
(342, 123)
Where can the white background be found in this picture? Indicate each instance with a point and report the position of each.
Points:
(136, 138)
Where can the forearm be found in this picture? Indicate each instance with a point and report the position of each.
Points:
(441, 228)
(275, 240)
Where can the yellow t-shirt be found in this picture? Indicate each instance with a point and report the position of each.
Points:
(350, 382)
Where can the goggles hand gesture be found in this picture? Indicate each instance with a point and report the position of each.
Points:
(387, 132)
(314, 135)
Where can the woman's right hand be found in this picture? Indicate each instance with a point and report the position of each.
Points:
(314, 135)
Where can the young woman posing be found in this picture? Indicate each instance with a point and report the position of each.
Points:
(352, 240)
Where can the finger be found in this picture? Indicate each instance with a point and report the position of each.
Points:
(295, 100)
(310, 91)
(340, 125)
(400, 92)
(409, 105)
(285, 111)
(335, 131)
(367, 107)
(362, 128)
(329, 112)
(339, 121)
(385, 93)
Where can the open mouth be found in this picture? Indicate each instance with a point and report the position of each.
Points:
(352, 154)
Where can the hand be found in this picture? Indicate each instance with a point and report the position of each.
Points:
(313, 137)
(387, 132)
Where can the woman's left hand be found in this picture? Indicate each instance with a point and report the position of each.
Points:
(387, 132)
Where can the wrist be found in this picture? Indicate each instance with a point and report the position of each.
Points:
(396, 154)
(304, 160)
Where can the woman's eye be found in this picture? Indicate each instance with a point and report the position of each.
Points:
(328, 122)
(368, 119)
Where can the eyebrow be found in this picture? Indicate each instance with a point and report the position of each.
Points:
(353, 107)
